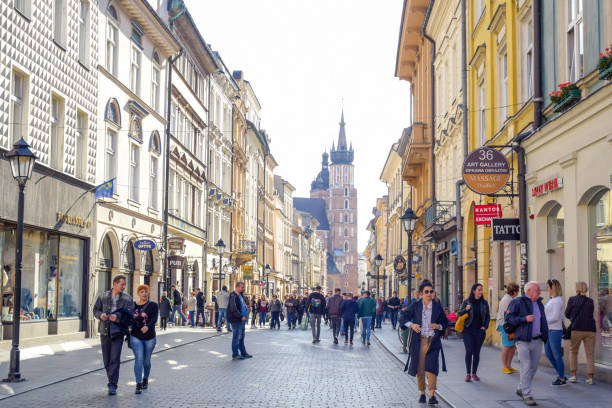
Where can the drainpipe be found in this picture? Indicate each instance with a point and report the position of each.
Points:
(459, 222)
(171, 61)
(537, 64)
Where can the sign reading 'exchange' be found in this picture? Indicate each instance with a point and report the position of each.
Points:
(485, 171)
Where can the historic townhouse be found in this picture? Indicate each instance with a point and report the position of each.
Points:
(135, 46)
(283, 220)
(49, 96)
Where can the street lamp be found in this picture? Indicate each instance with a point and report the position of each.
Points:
(409, 219)
(307, 235)
(220, 249)
(267, 270)
(378, 261)
(368, 277)
(22, 161)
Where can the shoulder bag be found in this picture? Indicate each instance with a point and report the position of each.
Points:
(567, 331)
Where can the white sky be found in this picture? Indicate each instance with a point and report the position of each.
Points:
(302, 58)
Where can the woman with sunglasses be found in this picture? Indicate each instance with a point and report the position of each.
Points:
(475, 329)
(428, 323)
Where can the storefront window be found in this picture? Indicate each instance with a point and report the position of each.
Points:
(106, 264)
(148, 267)
(556, 242)
(70, 277)
(129, 268)
(600, 216)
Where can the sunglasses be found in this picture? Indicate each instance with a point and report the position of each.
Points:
(427, 292)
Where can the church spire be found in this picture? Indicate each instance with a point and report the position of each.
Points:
(342, 133)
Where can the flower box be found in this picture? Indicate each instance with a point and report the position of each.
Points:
(606, 73)
(572, 97)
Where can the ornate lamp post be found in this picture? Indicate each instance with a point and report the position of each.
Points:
(378, 261)
(220, 249)
(267, 270)
(22, 161)
(368, 277)
(409, 219)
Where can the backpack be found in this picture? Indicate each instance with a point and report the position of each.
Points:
(315, 302)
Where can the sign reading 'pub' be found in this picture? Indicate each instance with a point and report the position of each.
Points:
(506, 229)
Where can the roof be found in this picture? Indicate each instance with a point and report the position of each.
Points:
(262, 139)
(314, 207)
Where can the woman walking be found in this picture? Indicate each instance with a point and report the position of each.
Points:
(475, 329)
(349, 308)
(428, 323)
(300, 309)
(580, 310)
(164, 310)
(192, 308)
(508, 346)
(262, 308)
(275, 310)
(554, 317)
(142, 336)
(253, 311)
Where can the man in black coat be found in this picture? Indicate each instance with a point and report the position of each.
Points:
(237, 315)
(316, 306)
(200, 302)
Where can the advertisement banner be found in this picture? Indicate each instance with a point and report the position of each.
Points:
(506, 229)
(247, 272)
(483, 214)
(485, 171)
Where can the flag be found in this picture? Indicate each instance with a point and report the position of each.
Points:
(105, 189)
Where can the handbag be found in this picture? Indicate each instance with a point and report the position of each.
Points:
(460, 323)
(282, 317)
(567, 331)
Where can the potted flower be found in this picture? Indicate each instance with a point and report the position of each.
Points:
(605, 64)
(566, 96)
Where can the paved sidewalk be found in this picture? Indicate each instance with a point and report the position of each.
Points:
(48, 364)
(496, 389)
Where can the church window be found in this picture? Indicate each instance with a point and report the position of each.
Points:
(346, 204)
(345, 191)
(346, 247)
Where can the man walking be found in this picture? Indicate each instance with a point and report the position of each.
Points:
(316, 308)
(111, 308)
(326, 315)
(222, 300)
(394, 305)
(200, 301)
(334, 313)
(526, 314)
(237, 315)
(177, 305)
(291, 304)
(367, 311)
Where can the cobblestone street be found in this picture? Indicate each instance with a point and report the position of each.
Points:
(287, 370)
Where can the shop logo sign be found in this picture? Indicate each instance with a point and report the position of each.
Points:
(547, 187)
(506, 229)
(483, 214)
(176, 244)
(399, 264)
(144, 245)
(175, 262)
(485, 171)
(72, 220)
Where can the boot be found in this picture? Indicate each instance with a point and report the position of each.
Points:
(145, 383)
(138, 388)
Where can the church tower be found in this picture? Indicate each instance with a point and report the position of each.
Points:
(336, 185)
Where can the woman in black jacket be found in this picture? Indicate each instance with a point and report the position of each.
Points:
(253, 311)
(142, 336)
(475, 329)
(300, 309)
(580, 310)
(164, 310)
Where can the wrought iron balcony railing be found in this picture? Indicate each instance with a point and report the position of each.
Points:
(440, 212)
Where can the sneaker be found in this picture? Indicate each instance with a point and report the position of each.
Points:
(468, 378)
(368, 343)
(345, 341)
(572, 379)
(247, 356)
(559, 382)
(112, 389)
(138, 388)
(590, 381)
(506, 371)
(335, 341)
(530, 401)
(475, 377)
(238, 358)
(314, 342)
(514, 370)
(422, 399)
(145, 383)
(351, 343)
(519, 393)
(433, 400)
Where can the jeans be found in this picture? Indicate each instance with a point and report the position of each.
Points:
(198, 314)
(142, 356)
(177, 308)
(300, 315)
(221, 316)
(342, 326)
(554, 353)
(238, 338)
(291, 319)
(316, 325)
(253, 317)
(379, 319)
(366, 327)
(262, 318)
(275, 322)
(192, 318)
(356, 320)
(349, 326)
(335, 323)
(111, 355)
(473, 339)
(529, 353)
(393, 318)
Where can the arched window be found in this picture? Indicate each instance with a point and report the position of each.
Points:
(136, 128)
(345, 191)
(155, 143)
(113, 13)
(156, 58)
(345, 218)
(345, 232)
(112, 113)
(106, 265)
(346, 246)
(346, 204)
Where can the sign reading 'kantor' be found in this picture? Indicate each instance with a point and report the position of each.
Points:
(485, 171)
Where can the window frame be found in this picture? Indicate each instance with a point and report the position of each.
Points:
(135, 68)
(59, 28)
(112, 26)
(83, 31)
(155, 83)
(80, 148)
(110, 151)
(19, 124)
(56, 139)
(481, 123)
(575, 24)
(134, 172)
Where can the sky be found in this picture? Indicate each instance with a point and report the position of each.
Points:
(304, 60)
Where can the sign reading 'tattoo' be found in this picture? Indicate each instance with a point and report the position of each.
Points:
(485, 171)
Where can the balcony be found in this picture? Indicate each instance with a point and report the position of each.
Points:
(247, 247)
(439, 213)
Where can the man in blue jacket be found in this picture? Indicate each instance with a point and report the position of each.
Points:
(526, 314)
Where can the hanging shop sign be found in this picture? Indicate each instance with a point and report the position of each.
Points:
(483, 214)
(506, 229)
(547, 187)
(416, 258)
(144, 245)
(176, 244)
(247, 272)
(454, 248)
(175, 262)
(399, 264)
(485, 171)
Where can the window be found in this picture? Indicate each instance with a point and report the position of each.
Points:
(56, 139)
(113, 114)
(155, 143)
(575, 45)
(83, 30)
(136, 128)
(135, 70)
(59, 22)
(18, 118)
(171, 184)
(482, 118)
(22, 6)
(345, 218)
(177, 202)
(71, 271)
(80, 154)
(503, 89)
(346, 192)
(197, 198)
(153, 183)
(186, 193)
(346, 246)
(134, 171)
(346, 232)
(527, 59)
(110, 165)
(346, 204)
(112, 39)
(155, 78)
(201, 150)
